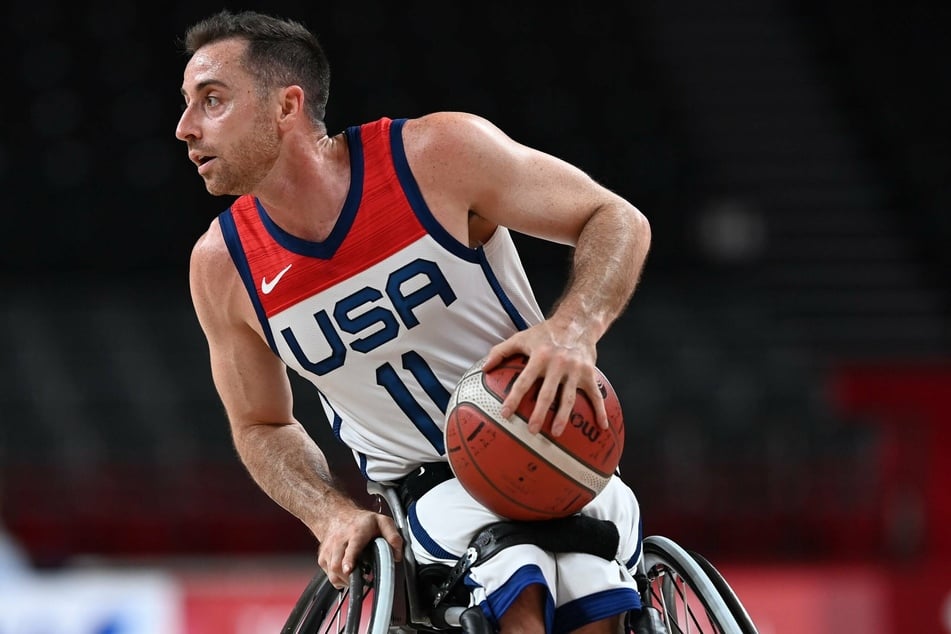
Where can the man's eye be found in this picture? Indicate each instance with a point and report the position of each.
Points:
(212, 101)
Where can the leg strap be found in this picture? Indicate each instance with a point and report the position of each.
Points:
(421, 480)
(574, 534)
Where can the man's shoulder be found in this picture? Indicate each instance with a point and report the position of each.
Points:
(446, 131)
(432, 120)
(446, 120)
(210, 250)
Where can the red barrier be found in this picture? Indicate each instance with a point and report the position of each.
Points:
(818, 599)
(240, 602)
(814, 599)
(912, 402)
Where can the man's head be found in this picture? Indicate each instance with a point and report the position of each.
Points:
(251, 82)
(279, 52)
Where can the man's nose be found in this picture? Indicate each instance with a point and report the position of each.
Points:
(186, 129)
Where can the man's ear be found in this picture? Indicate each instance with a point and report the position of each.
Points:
(292, 103)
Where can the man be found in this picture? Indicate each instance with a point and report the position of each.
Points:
(379, 265)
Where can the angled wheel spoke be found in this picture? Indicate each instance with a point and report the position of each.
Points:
(356, 609)
(687, 598)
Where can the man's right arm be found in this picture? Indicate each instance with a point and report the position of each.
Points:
(254, 388)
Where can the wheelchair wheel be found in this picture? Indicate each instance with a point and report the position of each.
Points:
(684, 594)
(363, 607)
(729, 596)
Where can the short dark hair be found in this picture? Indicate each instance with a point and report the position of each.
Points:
(280, 52)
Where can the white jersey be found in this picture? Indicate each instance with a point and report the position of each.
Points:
(387, 313)
(384, 317)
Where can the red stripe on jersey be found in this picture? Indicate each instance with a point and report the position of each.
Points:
(383, 223)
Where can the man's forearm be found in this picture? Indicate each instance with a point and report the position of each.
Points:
(607, 263)
(289, 466)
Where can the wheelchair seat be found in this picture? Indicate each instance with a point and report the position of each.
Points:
(680, 590)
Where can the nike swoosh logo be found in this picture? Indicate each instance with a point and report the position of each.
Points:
(267, 287)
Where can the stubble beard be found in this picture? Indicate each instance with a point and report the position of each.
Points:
(251, 159)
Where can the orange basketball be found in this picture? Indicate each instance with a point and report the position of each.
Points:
(525, 476)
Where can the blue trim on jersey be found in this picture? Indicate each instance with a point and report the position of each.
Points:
(416, 201)
(435, 229)
(336, 423)
(423, 538)
(595, 607)
(630, 563)
(502, 599)
(229, 232)
(326, 249)
(507, 304)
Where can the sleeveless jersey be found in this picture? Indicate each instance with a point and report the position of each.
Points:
(387, 313)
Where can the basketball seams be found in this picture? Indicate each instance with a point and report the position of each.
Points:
(516, 473)
(533, 450)
(487, 480)
(539, 444)
(488, 388)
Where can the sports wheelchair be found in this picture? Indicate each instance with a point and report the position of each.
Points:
(680, 591)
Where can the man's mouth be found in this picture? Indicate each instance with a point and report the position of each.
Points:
(199, 159)
(202, 161)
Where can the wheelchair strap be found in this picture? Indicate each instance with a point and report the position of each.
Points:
(425, 477)
(573, 534)
(413, 486)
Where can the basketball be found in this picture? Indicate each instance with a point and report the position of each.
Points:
(525, 476)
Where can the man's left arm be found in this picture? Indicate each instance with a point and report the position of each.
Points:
(476, 168)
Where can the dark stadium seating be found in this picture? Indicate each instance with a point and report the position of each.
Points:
(794, 170)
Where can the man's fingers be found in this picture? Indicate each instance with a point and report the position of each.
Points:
(561, 378)
(569, 395)
(491, 360)
(499, 353)
(518, 390)
(548, 395)
(331, 566)
(350, 558)
(600, 413)
(393, 538)
(560, 398)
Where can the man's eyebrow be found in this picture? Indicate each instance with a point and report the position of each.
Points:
(200, 86)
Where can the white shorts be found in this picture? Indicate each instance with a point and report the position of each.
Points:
(581, 588)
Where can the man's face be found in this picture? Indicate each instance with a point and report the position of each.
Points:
(229, 128)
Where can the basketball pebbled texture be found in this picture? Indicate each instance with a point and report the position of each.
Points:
(525, 476)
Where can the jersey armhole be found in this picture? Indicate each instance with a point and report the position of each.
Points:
(415, 198)
(229, 231)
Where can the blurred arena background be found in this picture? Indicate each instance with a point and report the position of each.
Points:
(785, 367)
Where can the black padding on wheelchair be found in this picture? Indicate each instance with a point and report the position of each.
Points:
(474, 621)
(430, 579)
(574, 534)
(417, 483)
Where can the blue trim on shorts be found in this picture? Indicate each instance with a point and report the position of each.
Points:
(595, 607)
(422, 537)
(501, 600)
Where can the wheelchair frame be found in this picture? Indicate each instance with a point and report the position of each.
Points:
(681, 592)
